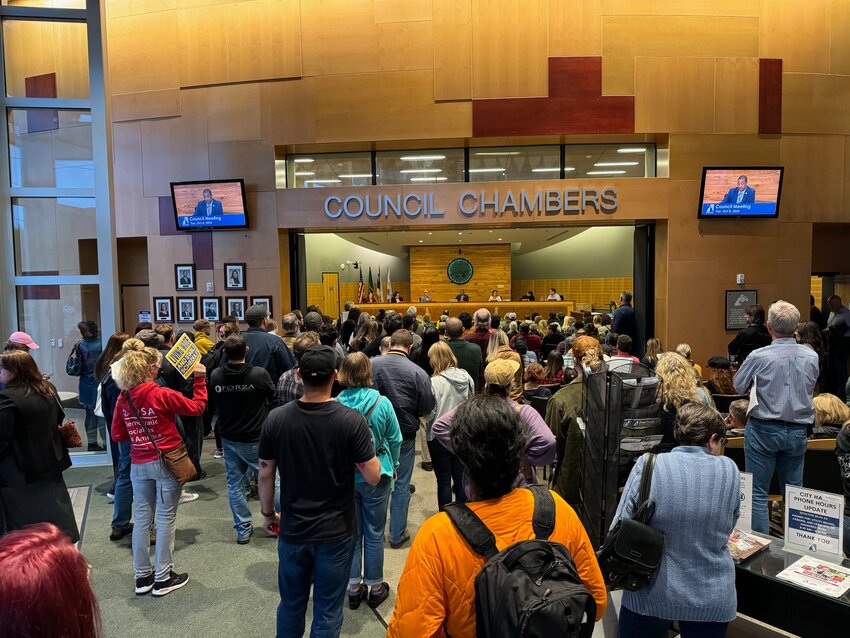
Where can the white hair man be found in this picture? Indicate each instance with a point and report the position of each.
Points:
(781, 378)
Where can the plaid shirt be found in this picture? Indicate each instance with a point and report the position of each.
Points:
(290, 387)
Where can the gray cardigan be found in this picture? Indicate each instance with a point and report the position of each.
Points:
(697, 500)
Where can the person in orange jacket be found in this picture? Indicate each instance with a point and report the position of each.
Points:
(436, 592)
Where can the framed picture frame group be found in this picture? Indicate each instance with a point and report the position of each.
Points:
(236, 306)
(211, 308)
(163, 309)
(184, 277)
(234, 276)
(264, 300)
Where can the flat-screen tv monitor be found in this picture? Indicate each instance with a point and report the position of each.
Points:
(209, 205)
(742, 192)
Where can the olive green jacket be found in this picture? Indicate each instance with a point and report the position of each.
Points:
(562, 413)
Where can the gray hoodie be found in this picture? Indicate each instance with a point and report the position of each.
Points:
(451, 387)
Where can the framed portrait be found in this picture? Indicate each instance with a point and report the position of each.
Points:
(265, 300)
(184, 276)
(187, 309)
(234, 276)
(163, 309)
(236, 306)
(211, 308)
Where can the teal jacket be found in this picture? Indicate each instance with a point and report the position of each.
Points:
(383, 422)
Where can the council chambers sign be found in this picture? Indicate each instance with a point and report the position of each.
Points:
(471, 204)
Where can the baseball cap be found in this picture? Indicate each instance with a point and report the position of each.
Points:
(256, 313)
(201, 324)
(24, 339)
(500, 372)
(318, 361)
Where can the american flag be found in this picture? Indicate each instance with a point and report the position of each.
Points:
(360, 288)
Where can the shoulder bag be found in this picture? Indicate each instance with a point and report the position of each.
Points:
(74, 363)
(68, 429)
(633, 550)
(176, 459)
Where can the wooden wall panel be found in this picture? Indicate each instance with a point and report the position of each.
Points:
(146, 106)
(575, 28)
(405, 46)
(491, 270)
(689, 153)
(249, 160)
(378, 106)
(722, 8)
(770, 96)
(815, 103)
(122, 8)
(288, 112)
(257, 247)
(736, 95)
(593, 291)
(338, 36)
(143, 53)
(175, 149)
(627, 37)
(452, 49)
(233, 112)
(509, 48)
(263, 40)
(813, 186)
(674, 94)
(839, 42)
(797, 32)
(135, 215)
(402, 10)
(202, 39)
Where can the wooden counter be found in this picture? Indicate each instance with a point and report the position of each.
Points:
(435, 309)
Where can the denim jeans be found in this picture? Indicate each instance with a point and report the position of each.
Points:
(401, 493)
(449, 471)
(123, 506)
(241, 464)
(93, 424)
(422, 435)
(370, 518)
(769, 446)
(154, 488)
(193, 434)
(847, 535)
(326, 564)
(635, 625)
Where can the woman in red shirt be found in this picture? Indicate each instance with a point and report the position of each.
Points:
(154, 486)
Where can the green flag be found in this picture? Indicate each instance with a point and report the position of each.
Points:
(371, 283)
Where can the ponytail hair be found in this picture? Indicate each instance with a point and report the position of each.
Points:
(135, 364)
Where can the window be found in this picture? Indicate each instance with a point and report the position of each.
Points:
(514, 163)
(329, 169)
(413, 167)
(609, 160)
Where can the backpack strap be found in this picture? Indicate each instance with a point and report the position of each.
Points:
(646, 508)
(473, 529)
(543, 520)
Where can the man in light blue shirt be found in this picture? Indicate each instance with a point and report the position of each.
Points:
(780, 379)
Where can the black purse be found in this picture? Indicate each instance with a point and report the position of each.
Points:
(633, 550)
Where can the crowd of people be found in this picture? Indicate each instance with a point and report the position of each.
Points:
(320, 420)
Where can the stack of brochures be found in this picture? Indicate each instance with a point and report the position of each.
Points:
(818, 575)
(743, 546)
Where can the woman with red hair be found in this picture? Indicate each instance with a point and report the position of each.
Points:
(32, 454)
(45, 589)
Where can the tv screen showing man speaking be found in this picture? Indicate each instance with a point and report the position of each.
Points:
(740, 192)
(209, 205)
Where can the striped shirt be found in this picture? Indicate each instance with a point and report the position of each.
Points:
(784, 374)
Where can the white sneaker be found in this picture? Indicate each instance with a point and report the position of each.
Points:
(110, 497)
(218, 454)
(188, 497)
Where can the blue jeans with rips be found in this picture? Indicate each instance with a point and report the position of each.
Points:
(156, 491)
(327, 565)
(401, 493)
(769, 446)
(370, 517)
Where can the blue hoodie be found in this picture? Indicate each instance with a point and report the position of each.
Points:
(383, 423)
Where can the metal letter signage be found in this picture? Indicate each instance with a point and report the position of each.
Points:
(471, 204)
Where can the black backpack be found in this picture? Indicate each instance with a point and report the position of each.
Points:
(531, 589)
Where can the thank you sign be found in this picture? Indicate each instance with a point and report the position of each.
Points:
(814, 522)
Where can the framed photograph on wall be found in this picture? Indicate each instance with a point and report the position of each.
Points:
(234, 277)
(184, 276)
(187, 309)
(737, 302)
(163, 309)
(211, 308)
(265, 300)
(236, 307)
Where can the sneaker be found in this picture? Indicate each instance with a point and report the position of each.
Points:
(110, 497)
(199, 477)
(253, 493)
(188, 497)
(402, 542)
(218, 454)
(144, 585)
(355, 598)
(174, 581)
(244, 539)
(412, 488)
(382, 594)
(428, 467)
(118, 533)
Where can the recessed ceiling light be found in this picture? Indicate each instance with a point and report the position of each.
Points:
(489, 231)
(569, 168)
(356, 175)
(500, 239)
(633, 149)
(421, 170)
(497, 153)
(303, 160)
(421, 158)
(303, 173)
(430, 233)
(322, 181)
(428, 179)
(421, 240)
(460, 233)
(545, 170)
(486, 170)
(606, 172)
(616, 163)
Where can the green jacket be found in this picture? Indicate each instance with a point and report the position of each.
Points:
(468, 357)
(562, 413)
